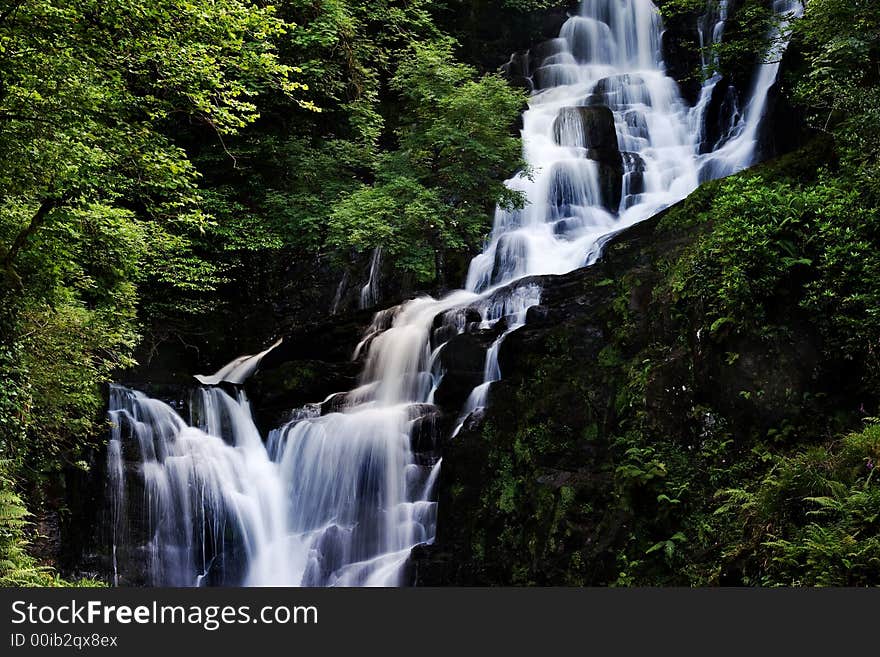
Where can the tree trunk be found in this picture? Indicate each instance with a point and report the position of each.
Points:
(37, 220)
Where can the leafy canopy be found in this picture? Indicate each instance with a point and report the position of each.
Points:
(435, 192)
(97, 196)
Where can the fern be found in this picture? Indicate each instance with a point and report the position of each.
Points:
(17, 567)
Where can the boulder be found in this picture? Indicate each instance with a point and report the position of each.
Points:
(589, 127)
(517, 70)
(636, 124)
(721, 112)
(681, 53)
(463, 359)
(618, 90)
(592, 128)
(634, 173)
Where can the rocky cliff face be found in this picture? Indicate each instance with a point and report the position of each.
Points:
(530, 490)
(543, 487)
(526, 485)
(610, 386)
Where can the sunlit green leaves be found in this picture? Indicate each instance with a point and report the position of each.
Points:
(98, 198)
(435, 193)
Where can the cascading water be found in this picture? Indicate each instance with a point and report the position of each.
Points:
(738, 149)
(370, 290)
(205, 505)
(338, 496)
(710, 29)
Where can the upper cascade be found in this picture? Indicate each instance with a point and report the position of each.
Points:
(343, 494)
(607, 138)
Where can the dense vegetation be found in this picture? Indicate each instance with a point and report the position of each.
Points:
(151, 148)
(726, 429)
(154, 151)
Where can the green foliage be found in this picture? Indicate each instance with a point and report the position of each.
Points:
(89, 91)
(398, 216)
(813, 246)
(457, 132)
(673, 8)
(396, 110)
(17, 567)
(275, 185)
(781, 254)
(455, 149)
(99, 199)
(814, 518)
(528, 5)
(840, 86)
(749, 37)
(151, 150)
(702, 393)
(753, 33)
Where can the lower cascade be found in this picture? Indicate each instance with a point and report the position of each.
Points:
(337, 496)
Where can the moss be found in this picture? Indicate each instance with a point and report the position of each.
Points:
(643, 434)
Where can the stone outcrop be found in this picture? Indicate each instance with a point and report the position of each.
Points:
(592, 128)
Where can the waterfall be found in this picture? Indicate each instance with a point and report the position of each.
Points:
(202, 498)
(339, 495)
(738, 150)
(710, 29)
(370, 290)
(340, 289)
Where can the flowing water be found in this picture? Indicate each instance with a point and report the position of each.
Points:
(337, 496)
(370, 290)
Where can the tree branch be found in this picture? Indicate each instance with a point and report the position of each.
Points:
(6, 13)
(36, 221)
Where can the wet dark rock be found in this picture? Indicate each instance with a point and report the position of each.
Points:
(488, 32)
(329, 551)
(517, 70)
(540, 457)
(335, 403)
(621, 90)
(511, 249)
(463, 353)
(599, 138)
(784, 128)
(293, 384)
(681, 53)
(470, 519)
(610, 185)
(722, 112)
(633, 162)
(567, 225)
(426, 432)
(540, 52)
(547, 76)
(597, 126)
(518, 65)
(311, 362)
(636, 123)
(634, 173)
(462, 359)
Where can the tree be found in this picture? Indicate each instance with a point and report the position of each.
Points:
(841, 84)
(96, 195)
(435, 192)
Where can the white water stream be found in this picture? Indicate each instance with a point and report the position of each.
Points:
(340, 498)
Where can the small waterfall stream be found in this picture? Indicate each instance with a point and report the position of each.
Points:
(339, 497)
(370, 290)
